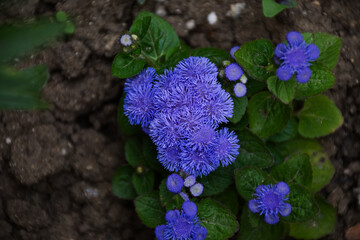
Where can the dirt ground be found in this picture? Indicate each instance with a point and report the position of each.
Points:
(56, 166)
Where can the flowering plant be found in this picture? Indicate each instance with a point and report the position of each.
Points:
(219, 142)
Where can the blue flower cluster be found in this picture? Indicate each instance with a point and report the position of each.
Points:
(175, 183)
(296, 57)
(270, 200)
(182, 109)
(234, 72)
(181, 225)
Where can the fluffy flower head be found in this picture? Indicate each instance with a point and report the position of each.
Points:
(181, 109)
(181, 225)
(296, 57)
(138, 102)
(240, 90)
(270, 201)
(233, 71)
(126, 40)
(174, 183)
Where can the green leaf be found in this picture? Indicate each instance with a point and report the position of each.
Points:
(322, 168)
(253, 86)
(297, 169)
(252, 152)
(61, 16)
(322, 224)
(283, 90)
(133, 151)
(297, 145)
(175, 203)
(319, 117)
(255, 57)
(124, 125)
(143, 182)
(121, 184)
(289, 132)
(329, 46)
(69, 28)
(140, 26)
(215, 55)
(150, 154)
(267, 115)
(241, 124)
(254, 227)
(19, 39)
(240, 105)
(217, 181)
(219, 222)
(272, 8)
(303, 205)
(247, 180)
(22, 89)
(321, 80)
(149, 209)
(125, 66)
(182, 52)
(160, 39)
(229, 198)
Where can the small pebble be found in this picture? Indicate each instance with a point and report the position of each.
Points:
(316, 2)
(343, 205)
(235, 9)
(8, 140)
(63, 151)
(190, 25)
(212, 18)
(161, 11)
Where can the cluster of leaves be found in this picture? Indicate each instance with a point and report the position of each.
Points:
(273, 7)
(275, 123)
(21, 89)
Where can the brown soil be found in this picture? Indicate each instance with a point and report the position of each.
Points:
(56, 166)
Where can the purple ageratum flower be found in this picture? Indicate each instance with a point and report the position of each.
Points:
(189, 208)
(160, 232)
(227, 147)
(174, 183)
(164, 130)
(126, 40)
(220, 108)
(233, 50)
(180, 226)
(191, 69)
(270, 201)
(139, 98)
(198, 163)
(240, 90)
(169, 157)
(296, 57)
(146, 77)
(202, 139)
(233, 72)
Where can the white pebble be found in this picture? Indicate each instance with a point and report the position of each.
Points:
(161, 11)
(63, 151)
(190, 25)
(8, 140)
(235, 9)
(212, 18)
